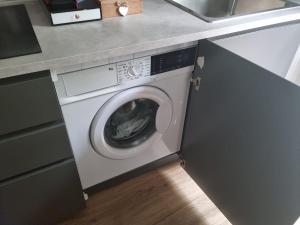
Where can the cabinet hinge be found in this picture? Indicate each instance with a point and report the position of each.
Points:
(201, 61)
(196, 83)
(182, 163)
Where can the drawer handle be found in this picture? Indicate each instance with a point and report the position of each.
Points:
(77, 16)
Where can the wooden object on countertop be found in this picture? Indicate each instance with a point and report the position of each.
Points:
(109, 8)
(166, 196)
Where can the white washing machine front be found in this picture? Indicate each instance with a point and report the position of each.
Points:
(131, 122)
(158, 129)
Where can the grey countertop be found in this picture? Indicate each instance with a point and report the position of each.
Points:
(160, 25)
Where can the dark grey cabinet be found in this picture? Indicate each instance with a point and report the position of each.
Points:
(41, 197)
(26, 101)
(39, 182)
(28, 151)
(241, 139)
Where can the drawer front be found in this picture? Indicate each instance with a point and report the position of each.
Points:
(32, 150)
(41, 198)
(27, 101)
(83, 81)
(76, 16)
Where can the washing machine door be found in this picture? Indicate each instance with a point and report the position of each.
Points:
(131, 122)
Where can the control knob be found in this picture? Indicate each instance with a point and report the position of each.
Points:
(135, 70)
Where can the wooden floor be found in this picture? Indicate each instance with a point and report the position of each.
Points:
(167, 196)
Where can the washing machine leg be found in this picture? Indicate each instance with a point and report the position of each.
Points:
(86, 196)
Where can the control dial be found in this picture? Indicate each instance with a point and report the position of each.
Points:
(135, 69)
(131, 71)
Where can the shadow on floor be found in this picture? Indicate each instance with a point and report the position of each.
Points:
(167, 196)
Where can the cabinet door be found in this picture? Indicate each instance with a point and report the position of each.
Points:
(42, 197)
(28, 151)
(241, 140)
(26, 101)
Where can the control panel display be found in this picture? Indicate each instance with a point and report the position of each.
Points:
(133, 69)
(172, 60)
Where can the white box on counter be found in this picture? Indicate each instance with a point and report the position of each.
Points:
(82, 14)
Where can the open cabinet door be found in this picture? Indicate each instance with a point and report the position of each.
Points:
(241, 140)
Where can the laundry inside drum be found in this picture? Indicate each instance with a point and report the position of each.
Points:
(131, 124)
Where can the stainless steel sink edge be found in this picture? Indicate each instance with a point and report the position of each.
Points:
(232, 17)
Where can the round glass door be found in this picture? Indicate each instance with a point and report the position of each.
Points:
(131, 124)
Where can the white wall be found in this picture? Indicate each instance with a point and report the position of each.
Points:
(9, 2)
(293, 73)
(272, 49)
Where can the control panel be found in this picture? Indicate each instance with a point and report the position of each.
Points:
(173, 60)
(133, 69)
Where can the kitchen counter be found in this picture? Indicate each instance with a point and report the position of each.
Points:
(161, 25)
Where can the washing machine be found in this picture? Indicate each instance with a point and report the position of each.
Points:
(123, 115)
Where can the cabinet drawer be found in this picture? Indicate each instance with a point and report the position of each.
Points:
(32, 150)
(41, 198)
(83, 81)
(27, 101)
(75, 16)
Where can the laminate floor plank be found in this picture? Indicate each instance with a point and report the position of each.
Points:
(167, 196)
(200, 211)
